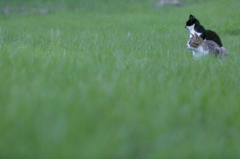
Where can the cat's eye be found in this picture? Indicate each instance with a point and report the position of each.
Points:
(189, 42)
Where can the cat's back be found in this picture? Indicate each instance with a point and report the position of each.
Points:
(213, 48)
(210, 44)
(211, 35)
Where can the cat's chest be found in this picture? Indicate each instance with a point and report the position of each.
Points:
(200, 51)
(192, 32)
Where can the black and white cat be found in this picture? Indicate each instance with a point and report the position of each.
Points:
(194, 26)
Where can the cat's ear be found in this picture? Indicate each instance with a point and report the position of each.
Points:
(198, 38)
(192, 34)
(191, 16)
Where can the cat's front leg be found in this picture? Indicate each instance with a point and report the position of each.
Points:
(195, 54)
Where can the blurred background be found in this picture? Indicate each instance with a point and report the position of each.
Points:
(49, 6)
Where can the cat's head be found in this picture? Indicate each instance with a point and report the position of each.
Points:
(194, 42)
(192, 21)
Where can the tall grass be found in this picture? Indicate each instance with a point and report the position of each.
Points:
(118, 84)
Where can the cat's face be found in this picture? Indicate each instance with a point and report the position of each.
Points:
(191, 22)
(194, 42)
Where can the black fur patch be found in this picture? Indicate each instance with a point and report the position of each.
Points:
(205, 34)
(211, 35)
(192, 20)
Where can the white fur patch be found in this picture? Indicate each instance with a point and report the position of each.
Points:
(192, 31)
(199, 52)
(196, 53)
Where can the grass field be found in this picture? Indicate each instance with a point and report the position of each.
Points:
(113, 80)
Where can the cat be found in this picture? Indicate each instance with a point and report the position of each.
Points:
(194, 26)
(203, 47)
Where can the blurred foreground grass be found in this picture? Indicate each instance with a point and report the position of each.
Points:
(118, 84)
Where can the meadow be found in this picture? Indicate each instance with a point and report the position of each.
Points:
(113, 79)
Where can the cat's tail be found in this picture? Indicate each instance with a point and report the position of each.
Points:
(224, 51)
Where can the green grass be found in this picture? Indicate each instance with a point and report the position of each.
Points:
(74, 85)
